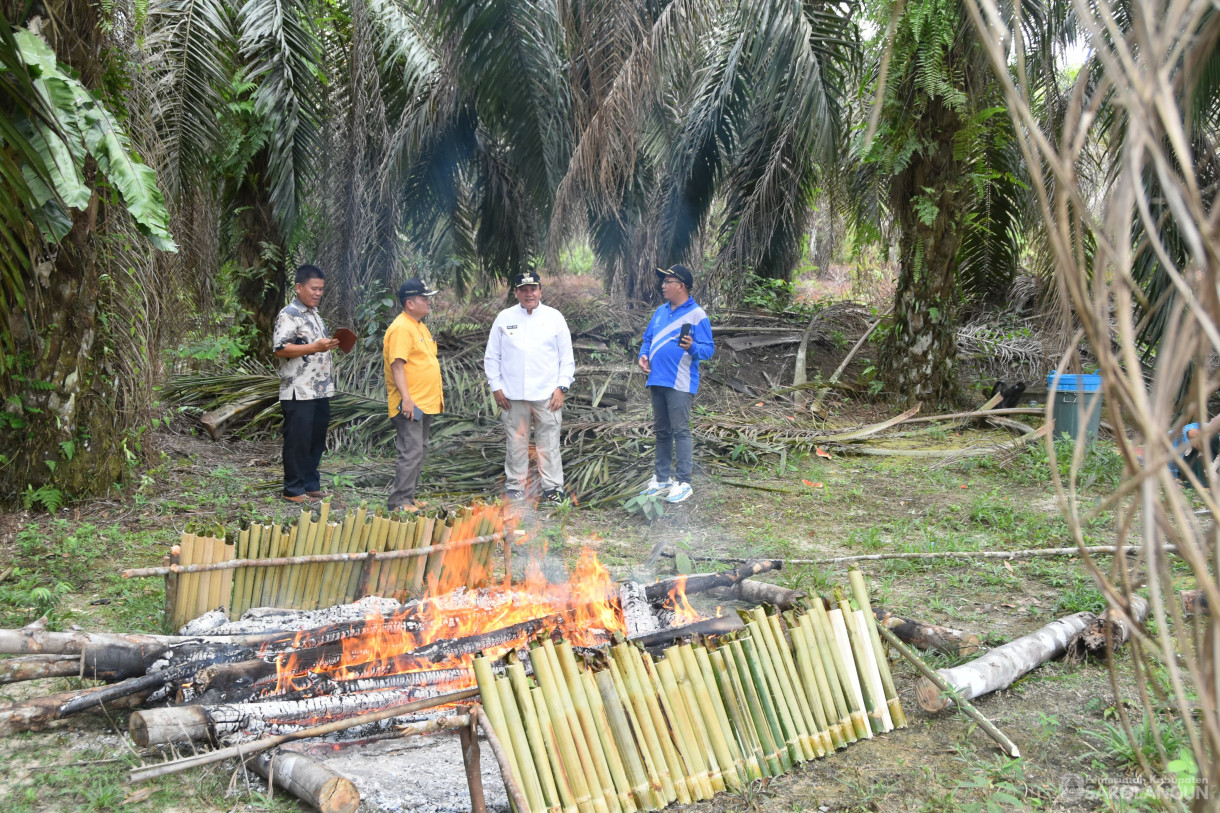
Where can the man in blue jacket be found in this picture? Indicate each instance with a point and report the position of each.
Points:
(677, 339)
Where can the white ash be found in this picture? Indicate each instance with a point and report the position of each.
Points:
(417, 774)
(274, 619)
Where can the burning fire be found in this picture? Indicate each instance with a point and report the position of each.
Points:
(586, 609)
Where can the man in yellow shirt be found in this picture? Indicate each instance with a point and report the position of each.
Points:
(413, 388)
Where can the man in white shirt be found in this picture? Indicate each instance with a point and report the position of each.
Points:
(529, 368)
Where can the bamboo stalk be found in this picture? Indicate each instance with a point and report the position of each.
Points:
(493, 708)
(258, 532)
(655, 758)
(658, 797)
(1006, 745)
(564, 722)
(336, 579)
(686, 741)
(229, 551)
(711, 709)
(859, 716)
(775, 753)
(359, 545)
(496, 745)
(580, 701)
(311, 593)
(432, 569)
(185, 548)
(814, 745)
(580, 736)
(669, 749)
(286, 589)
(401, 526)
(739, 723)
(209, 591)
(815, 693)
(614, 759)
(620, 730)
(377, 545)
(171, 585)
(567, 797)
(836, 673)
(860, 589)
(758, 647)
(874, 672)
(146, 772)
(285, 542)
(203, 551)
(720, 703)
(533, 733)
(872, 705)
(241, 551)
(521, 747)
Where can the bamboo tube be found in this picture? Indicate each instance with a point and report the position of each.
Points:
(740, 725)
(317, 582)
(268, 535)
(406, 575)
(645, 744)
(250, 573)
(292, 576)
(758, 731)
(874, 673)
(831, 739)
(584, 747)
(186, 554)
(656, 759)
(786, 742)
(196, 554)
(732, 754)
(318, 542)
(721, 758)
(473, 563)
(382, 527)
(364, 536)
(203, 593)
(414, 526)
(400, 528)
(171, 585)
(688, 744)
(216, 596)
(797, 701)
(419, 566)
(229, 550)
(276, 581)
(242, 551)
(620, 730)
(860, 590)
(669, 749)
(835, 671)
(567, 798)
(521, 746)
(614, 759)
(564, 722)
(860, 716)
(493, 707)
(336, 579)
(841, 730)
(758, 647)
(857, 645)
(448, 569)
(580, 701)
(490, 522)
(270, 577)
(433, 568)
(326, 579)
(775, 754)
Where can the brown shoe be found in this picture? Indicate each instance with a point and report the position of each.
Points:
(297, 498)
(410, 507)
(316, 495)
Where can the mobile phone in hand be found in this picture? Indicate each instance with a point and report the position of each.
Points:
(685, 332)
(417, 414)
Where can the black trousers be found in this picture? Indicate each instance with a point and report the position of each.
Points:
(304, 442)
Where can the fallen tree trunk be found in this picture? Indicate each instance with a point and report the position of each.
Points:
(307, 779)
(36, 667)
(1091, 641)
(34, 714)
(1002, 666)
(699, 582)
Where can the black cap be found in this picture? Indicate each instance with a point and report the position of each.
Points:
(681, 272)
(526, 278)
(413, 287)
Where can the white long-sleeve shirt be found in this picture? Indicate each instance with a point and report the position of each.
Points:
(529, 354)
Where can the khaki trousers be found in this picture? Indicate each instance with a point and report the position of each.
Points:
(517, 442)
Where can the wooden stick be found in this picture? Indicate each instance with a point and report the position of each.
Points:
(506, 771)
(468, 735)
(1031, 553)
(851, 354)
(247, 749)
(1006, 745)
(137, 572)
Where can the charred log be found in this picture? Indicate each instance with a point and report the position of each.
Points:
(700, 582)
(36, 713)
(1091, 641)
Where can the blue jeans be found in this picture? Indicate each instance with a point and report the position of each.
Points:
(671, 420)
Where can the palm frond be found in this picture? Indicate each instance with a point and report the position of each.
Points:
(281, 49)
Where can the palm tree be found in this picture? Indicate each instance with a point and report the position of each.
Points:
(63, 155)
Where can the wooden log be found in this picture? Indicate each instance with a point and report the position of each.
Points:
(1091, 641)
(1194, 602)
(469, 737)
(147, 772)
(708, 626)
(928, 636)
(36, 667)
(699, 582)
(750, 591)
(214, 421)
(1003, 665)
(101, 645)
(36, 713)
(307, 779)
(637, 611)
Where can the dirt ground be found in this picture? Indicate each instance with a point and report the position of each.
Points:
(1061, 715)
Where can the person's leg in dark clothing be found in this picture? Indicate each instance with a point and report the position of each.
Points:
(679, 425)
(298, 429)
(665, 438)
(317, 442)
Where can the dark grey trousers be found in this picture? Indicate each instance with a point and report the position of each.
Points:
(305, 425)
(411, 441)
(671, 420)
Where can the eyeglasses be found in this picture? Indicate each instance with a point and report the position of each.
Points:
(671, 281)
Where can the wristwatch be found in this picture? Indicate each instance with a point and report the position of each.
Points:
(564, 390)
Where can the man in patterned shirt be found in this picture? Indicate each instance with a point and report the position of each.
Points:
(307, 382)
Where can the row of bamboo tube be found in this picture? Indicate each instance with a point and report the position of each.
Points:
(641, 733)
(317, 585)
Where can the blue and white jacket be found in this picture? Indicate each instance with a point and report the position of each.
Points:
(671, 365)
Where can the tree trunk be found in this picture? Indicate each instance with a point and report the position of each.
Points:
(918, 358)
(262, 287)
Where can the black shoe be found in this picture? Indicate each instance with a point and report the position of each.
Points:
(513, 495)
(555, 495)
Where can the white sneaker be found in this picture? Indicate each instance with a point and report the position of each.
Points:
(655, 487)
(679, 492)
